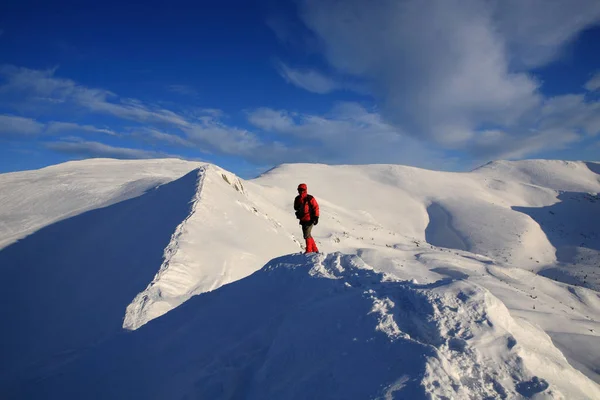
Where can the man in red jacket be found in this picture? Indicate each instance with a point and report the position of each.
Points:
(307, 211)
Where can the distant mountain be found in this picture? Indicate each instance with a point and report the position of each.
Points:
(466, 272)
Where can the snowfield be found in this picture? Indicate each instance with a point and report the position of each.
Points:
(173, 279)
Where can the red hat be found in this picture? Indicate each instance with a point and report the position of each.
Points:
(302, 186)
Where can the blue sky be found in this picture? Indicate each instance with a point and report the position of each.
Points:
(248, 85)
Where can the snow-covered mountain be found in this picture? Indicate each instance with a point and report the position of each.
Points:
(449, 285)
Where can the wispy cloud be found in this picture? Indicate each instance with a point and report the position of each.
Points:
(185, 90)
(348, 134)
(35, 88)
(42, 91)
(308, 79)
(85, 149)
(594, 83)
(57, 127)
(314, 81)
(203, 128)
(535, 32)
(570, 112)
(498, 144)
(271, 120)
(156, 135)
(13, 125)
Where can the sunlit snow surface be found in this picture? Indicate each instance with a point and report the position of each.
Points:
(449, 285)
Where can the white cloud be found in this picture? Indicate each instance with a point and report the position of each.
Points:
(536, 31)
(317, 82)
(498, 144)
(446, 71)
(41, 88)
(352, 134)
(308, 79)
(226, 139)
(594, 83)
(83, 148)
(13, 125)
(448, 110)
(571, 112)
(559, 122)
(36, 85)
(441, 82)
(348, 134)
(163, 137)
(185, 90)
(57, 127)
(270, 120)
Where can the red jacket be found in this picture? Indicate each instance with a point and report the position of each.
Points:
(306, 207)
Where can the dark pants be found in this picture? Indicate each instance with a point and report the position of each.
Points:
(306, 229)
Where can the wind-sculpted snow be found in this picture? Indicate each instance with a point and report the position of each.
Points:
(325, 326)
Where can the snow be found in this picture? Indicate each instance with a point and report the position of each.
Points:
(66, 286)
(33, 199)
(209, 249)
(432, 284)
(338, 329)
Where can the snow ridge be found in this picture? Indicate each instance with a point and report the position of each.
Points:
(137, 312)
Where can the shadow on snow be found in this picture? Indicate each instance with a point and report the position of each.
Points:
(66, 286)
(440, 232)
(280, 333)
(571, 223)
(594, 167)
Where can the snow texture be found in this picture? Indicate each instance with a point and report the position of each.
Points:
(326, 327)
(432, 284)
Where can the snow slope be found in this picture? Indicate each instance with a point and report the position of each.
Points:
(223, 239)
(33, 199)
(326, 327)
(497, 234)
(66, 286)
